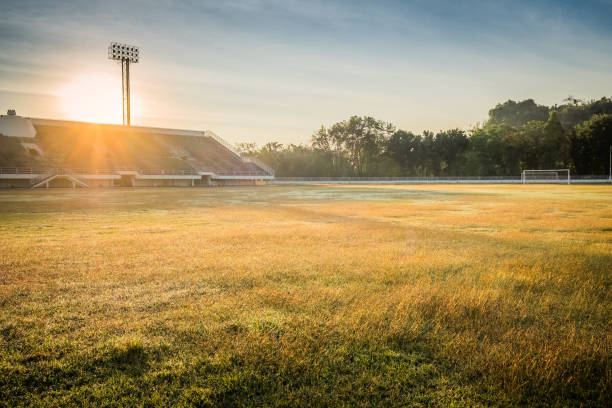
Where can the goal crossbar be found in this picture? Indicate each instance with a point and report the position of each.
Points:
(546, 176)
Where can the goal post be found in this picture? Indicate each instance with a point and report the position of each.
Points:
(557, 176)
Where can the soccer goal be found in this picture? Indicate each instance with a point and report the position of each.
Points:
(561, 176)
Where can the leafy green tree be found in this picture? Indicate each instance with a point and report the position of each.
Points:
(554, 145)
(517, 136)
(361, 139)
(246, 149)
(516, 114)
(527, 143)
(331, 145)
(449, 147)
(494, 148)
(272, 154)
(571, 114)
(405, 149)
(430, 161)
(590, 144)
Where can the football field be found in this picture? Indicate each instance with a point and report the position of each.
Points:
(370, 295)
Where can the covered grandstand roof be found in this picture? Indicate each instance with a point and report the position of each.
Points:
(15, 126)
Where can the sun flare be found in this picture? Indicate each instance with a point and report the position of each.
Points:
(94, 98)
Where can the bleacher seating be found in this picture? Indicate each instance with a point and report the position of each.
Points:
(78, 145)
(209, 155)
(13, 154)
(102, 147)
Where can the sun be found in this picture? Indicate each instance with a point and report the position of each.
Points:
(94, 97)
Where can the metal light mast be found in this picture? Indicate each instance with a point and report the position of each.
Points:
(125, 54)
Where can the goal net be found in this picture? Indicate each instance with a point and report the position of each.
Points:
(561, 176)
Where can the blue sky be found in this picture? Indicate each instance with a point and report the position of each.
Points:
(262, 70)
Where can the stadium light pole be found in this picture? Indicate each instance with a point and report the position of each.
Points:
(125, 54)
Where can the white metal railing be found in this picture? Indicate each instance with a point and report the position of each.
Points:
(42, 176)
(167, 172)
(408, 178)
(77, 170)
(259, 163)
(241, 173)
(585, 179)
(221, 141)
(88, 171)
(38, 173)
(221, 172)
(22, 170)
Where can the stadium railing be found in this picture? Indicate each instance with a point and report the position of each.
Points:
(241, 173)
(259, 163)
(115, 171)
(221, 141)
(22, 170)
(220, 172)
(467, 179)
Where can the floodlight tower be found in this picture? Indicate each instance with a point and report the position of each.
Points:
(125, 54)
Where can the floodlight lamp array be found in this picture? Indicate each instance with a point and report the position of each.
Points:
(121, 52)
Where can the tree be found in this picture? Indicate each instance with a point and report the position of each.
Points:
(331, 145)
(517, 136)
(494, 150)
(590, 144)
(361, 139)
(516, 114)
(528, 144)
(571, 115)
(430, 161)
(449, 147)
(404, 148)
(247, 148)
(572, 100)
(554, 145)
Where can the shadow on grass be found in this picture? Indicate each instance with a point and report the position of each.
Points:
(36, 372)
(131, 358)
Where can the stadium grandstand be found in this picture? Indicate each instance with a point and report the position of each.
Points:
(55, 153)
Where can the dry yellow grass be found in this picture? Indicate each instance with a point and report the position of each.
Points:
(313, 295)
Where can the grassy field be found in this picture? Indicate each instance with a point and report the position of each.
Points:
(307, 296)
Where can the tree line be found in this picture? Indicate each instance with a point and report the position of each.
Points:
(516, 136)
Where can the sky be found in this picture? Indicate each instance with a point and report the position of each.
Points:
(276, 70)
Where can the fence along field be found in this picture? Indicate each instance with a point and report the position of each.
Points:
(430, 295)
